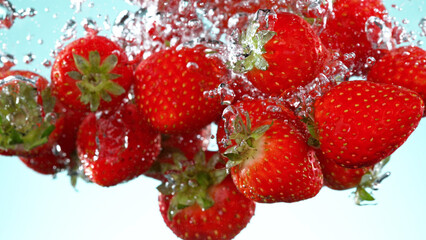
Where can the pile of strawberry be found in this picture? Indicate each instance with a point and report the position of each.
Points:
(299, 104)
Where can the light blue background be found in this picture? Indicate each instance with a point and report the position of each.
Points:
(37, 207)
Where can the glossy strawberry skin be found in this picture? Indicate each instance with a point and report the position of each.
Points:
(65, 88)
(295, 56)
(359, 123)
(404, 66)
(171, 96)
(230, 213)
(59, 155)
(345, 32)
(260, 110)
(282, 167)
(116, 148)
(337, 177)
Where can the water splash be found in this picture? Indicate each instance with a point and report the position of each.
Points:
(8, 14)
(7, 61)
(422, 25)
(379, 33)
(28, 58)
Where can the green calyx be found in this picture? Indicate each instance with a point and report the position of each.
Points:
(95, 79)
(370, 182)
(191, 185)
(24, 123)
(245, 139)
(253, 42)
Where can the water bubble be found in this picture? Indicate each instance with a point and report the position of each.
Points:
(40, 41)
(47, 63)
(7, 61)
(69, 30)
(29, 58)
(7, 14)
(422, 25)
(378, 33)
(77, 4)
(192, 66)
(90, 25)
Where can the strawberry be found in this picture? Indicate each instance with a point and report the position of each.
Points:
(188, 143)
(46, 163)
(62, 152)
(404, 66)
(359, 123)
(206, 205)
(337, 177)
(171, 96)
(116, 148)
(178, 148)
(28, 124)
(260, 110)
(92, 73)
(219, 12)
(269, 159)
(287, 54)
(345, 32)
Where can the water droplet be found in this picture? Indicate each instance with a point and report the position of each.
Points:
(192, 66)
(6, 61)
(77, 4)
(422, 25)
(90, 25)
(47, 63)
(29, 58)
(69, 30)
(378, 33)
(7, 14)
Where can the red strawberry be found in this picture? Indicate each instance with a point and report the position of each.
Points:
(207, 204)
(259, 109)
(62, 152)
(90, 74)
(288, 54)
(345, 32)
(270, 159)
(188, 143)
(178, 148)
(116, 148)
(171, 96)
(359, 123)
(28, 124)
(404, 66)
(337, 177)
(46, 163)
(220, 11)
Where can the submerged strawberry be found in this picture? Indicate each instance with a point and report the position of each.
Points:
(359, 123)
(171, 96)
(28, 124)
(345, 32)
(92, 73)
(337, 177)
(285, 55)
(404, 66)
(270, 160)
(116, 148)
(206, 205)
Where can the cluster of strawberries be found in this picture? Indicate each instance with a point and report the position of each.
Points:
(109, 120)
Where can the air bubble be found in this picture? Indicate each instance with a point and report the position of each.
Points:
(29, 58)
